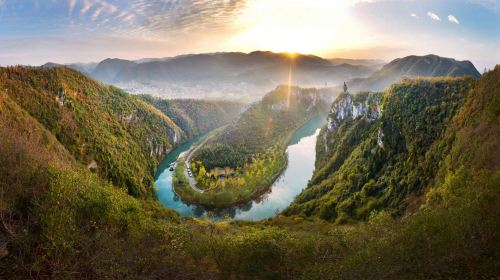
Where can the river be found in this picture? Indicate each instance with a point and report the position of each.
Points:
(301, 157)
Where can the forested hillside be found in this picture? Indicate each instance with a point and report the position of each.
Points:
(382, 151)
(241, 161)
(265, 124)
(197, 116)
(59, 220)
(117, 135)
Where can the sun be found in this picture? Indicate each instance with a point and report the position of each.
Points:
(294, 26)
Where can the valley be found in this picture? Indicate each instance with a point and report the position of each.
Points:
(244, 77)
(250, 139)
(300, 153)
(385, 185)
(241, 161)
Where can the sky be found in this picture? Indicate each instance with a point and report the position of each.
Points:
(63, 31)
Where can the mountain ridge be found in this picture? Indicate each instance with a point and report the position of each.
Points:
(59, 220)
(381, 150)
(414, 66)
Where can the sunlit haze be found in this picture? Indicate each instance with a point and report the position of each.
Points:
(34, 32)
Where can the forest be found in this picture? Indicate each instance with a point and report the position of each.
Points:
(60, 220)
(237, 186)
(251, 149)
(119, 135)
(385, 159)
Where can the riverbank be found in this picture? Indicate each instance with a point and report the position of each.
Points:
(258, 178)
(230, 196)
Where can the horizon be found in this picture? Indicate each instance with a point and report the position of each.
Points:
(85, 31)
(138, 60)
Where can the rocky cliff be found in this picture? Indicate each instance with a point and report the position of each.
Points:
(380, 149)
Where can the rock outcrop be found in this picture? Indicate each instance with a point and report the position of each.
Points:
(347, 106)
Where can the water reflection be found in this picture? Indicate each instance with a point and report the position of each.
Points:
(301, 157)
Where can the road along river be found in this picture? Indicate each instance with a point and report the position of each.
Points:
(301, 157)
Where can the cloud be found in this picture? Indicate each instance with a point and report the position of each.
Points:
(489, 4)
(86, 7)
(453, 19)
(108, 7)
(71, 6)
(97, 12)
(99, 7)
(413, 15)
(166, 17)
(433, 16)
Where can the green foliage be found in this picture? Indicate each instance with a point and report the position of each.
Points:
(254, 146)
(357, 176)
(121, 137)
(220, 154)
(249, 182)
(60, 221)
(266, 124)
(96, 123)
(196, 116)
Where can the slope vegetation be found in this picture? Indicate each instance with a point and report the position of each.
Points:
(118, 136)
(241, 161)
(265, 124)
(382, 150)
(58, 220)
(196, 116)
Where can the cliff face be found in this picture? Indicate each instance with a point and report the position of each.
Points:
(379, 149)
(364, 105)
(361, 107)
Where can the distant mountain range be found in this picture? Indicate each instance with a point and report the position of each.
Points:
(374, 63)
(108, 69)
(229, 75)
(235, 70)
(236, 75)
(414, 66)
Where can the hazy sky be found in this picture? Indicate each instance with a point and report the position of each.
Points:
(37, 31)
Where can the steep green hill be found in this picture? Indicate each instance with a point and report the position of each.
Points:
(56, 216)
(60, 221)
(196, 116)
(115, 134)
(380, 151)
(241, 161)
(265, 124)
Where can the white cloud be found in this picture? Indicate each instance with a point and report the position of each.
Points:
(71, 6)
(97, 12)
(129, 18)
(86, 7)
(99, 6)
(108, 7)
(453, 19)
(413, 15)
(433, 16)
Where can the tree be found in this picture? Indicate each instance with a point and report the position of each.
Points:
(202, 171)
